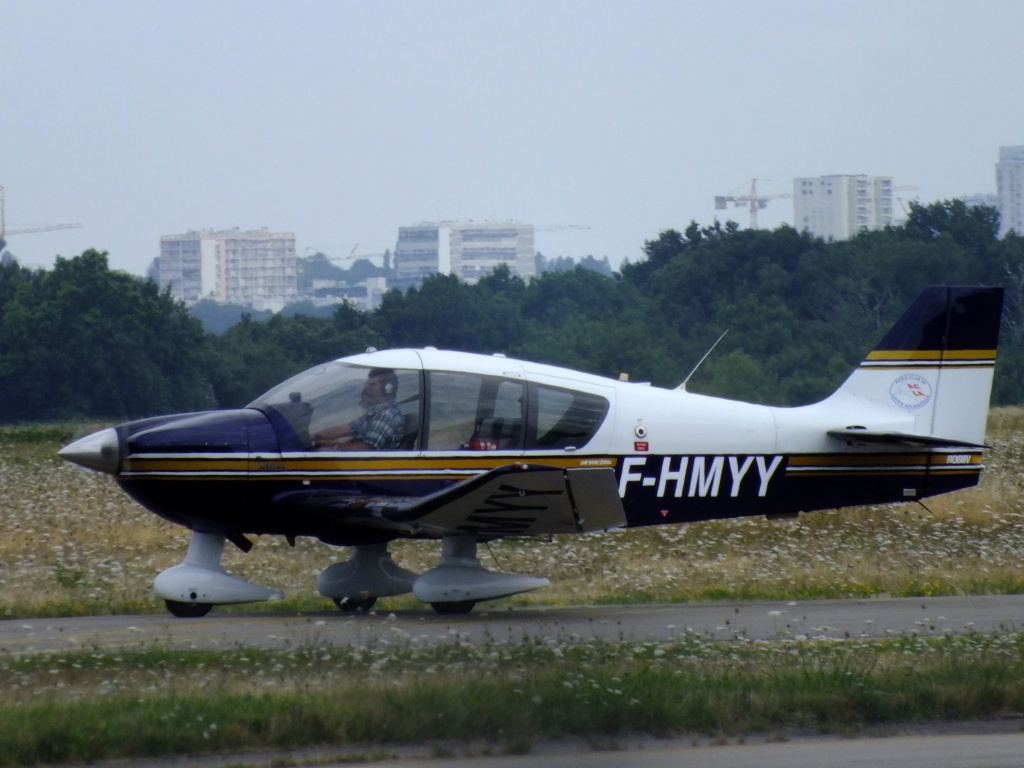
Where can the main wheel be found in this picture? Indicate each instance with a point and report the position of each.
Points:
(187, 610)
(355, 604)
(455, 608)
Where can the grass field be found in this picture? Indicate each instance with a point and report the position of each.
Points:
(497, 698)
(74, 544)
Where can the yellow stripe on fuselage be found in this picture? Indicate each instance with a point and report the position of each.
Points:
(185, 464)
(932, 354)
(944, 463)
(338, 466)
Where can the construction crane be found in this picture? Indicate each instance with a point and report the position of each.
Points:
(25, 230)
(753, 200)
(903, 205)
(353, 256)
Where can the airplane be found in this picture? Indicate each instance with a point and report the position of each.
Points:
(471, 448)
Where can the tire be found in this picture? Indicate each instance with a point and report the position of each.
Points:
(355, 604)
(187, 610)
(456, 608)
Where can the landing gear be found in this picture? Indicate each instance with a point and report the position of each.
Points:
(459, 581)
(452, 588)
(199, 582)
(355, 584)
(187, 610)
(358, 605)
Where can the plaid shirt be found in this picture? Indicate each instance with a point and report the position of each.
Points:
(382, 426)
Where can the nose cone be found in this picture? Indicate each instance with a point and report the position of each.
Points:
(100, 451)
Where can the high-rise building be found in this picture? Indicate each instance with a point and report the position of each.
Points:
(1010, 189)
(465, 249)
(422, 250)
(838, 207)
(257, 268)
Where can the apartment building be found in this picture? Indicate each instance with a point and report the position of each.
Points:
(467, 250)
(838, 207)
(1010, 189)
(257, 268)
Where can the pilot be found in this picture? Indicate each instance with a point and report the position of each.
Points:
(380, 428)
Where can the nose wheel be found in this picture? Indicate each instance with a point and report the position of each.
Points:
(198, 583)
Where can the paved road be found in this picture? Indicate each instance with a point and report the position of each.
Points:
(1000, 746)
(961, 751)
(721, 621)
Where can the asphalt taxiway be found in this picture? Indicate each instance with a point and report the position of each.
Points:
(762, 620)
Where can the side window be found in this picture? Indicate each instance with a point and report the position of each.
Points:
(473, 412)
(563, 418)
(499, 424)
(453, 405)
(408, 400)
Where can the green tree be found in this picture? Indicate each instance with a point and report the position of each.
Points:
(84, 340)
(254, 356)
(975, 228)
(449, 314)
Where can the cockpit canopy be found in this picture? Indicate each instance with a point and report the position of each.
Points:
(442, 410)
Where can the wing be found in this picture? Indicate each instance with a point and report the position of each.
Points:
(511, 500)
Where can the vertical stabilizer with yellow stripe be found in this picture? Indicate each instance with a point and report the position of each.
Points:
(933, 370)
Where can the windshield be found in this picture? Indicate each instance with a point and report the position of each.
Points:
(339, 406)
(343, 406)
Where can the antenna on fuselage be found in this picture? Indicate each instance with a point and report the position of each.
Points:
(701, 361)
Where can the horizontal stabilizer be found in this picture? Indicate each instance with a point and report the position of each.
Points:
(899, 438)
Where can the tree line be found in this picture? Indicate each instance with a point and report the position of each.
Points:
(81, 340)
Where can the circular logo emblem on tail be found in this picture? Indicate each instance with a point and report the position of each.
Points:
(911, 391)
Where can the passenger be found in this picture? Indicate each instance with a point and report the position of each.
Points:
(380, 428)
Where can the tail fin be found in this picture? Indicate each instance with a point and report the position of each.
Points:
(936, 366)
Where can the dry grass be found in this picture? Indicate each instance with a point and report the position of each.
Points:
(74, 543)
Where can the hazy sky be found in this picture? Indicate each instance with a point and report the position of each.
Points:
(341, 121)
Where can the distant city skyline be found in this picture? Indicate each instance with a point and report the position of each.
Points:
(342, 122)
